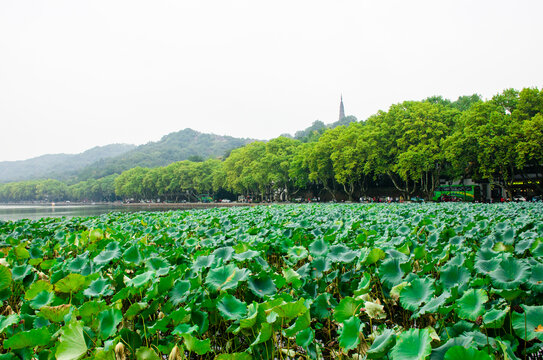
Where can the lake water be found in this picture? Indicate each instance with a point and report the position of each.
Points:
(34, 212)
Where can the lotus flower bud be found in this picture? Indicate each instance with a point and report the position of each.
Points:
(120, 352)
(174, 354)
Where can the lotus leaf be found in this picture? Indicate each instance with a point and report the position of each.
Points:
(350, 333)
(226, 277)
(529, 324)
(382, 344)
(471, 305)
(413, 344)
(419, 291)
(231, 308)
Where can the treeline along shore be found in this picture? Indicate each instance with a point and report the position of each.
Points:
(409, 150)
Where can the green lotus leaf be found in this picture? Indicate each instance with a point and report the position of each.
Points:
(319, 266)
(262, 286)
(305, 337)
(493, 319)
(179, 291)
(397, 289)
(184, 329)
(110, 253)
(403, 230)
(413, 344)
(36, 288)
(70, 284)
(303, 321)
(461, 353)
(28, 339)
(382, 344)
(486, 261)
(226, 277)
(341, 253)
(18, 273)
(140, 280)
(292, 277)
(510, 273)
(525, 324)
(200, 319)
(200, 347)
(373, 256)
(347, 308)
(350, 333)
(323, 305)
(390, 272)
(536, 279)
(451, 276)
(91, 308)
(472, 304)
(439, 352)
(419, 291)
(132, 255)
(158, 265)
(234, 356)
(7, 321)
(98, 287)
(291, 310)
(5, 278)
(72, 342)
(537, 248)
(264, 334)
(434, 304)
(231, 308)
(364, 285)
(250, 318)
(202, 262)
(297, 253)
(145, 353)
(509, 295)
(246, 255)
(135, 309)
(54, 313)
(319, 247)
(224, 254)
(109, 319)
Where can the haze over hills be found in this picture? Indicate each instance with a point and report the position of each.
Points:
(58, 166)
(186, 144)
(106, 160)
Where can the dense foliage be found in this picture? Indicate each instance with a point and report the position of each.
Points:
(430, 281)
(412, 146)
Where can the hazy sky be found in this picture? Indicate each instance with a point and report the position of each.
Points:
(76, 74)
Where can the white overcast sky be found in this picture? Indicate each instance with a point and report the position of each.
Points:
(75, 74)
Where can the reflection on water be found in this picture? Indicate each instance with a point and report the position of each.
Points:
(34, 212)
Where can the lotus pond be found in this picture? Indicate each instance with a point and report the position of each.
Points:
(345, 281)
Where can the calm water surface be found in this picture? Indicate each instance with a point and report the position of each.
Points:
(34, 212)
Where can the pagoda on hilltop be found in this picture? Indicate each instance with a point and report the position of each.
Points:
(341, 109)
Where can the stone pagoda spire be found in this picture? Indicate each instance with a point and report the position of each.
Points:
(341, 109)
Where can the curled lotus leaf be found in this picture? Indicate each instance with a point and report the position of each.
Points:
(419, 291)
(510, 273)
(472, 304)
(413, 344)
(226, 277)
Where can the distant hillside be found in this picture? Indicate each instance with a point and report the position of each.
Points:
(58, 166)
(177, 146)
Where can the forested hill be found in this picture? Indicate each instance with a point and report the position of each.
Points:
(58, 166)
(186, 144)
